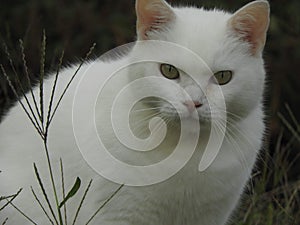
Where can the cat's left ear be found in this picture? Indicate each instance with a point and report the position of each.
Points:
(152, 16)
(251, 23)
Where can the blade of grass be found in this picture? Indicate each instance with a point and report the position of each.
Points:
(42, 74)
(292, 197)
(4, 222)
(288, 125)
(279, 190)
(282, 208)
(72, 192)
(52, 180)
(248, 212)
(293, 161)
(10, 200)
(81, 202)
(18, 80)
(42, 207)
(27, 76)
(292, 116)
(32, 117)
(6, 197)
(44, 192)
(72, 78)
(12, 66)
(104, 204)
(23, 214)
(63, 190)
(53, 92)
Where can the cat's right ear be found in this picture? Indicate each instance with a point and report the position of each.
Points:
(153, 16)
(251, 23)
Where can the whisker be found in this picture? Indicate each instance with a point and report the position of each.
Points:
(231, 138)
(146, 109)
(236, 147)
(139, 126)
(147, 117)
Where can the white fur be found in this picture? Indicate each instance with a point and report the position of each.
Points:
(188, 198)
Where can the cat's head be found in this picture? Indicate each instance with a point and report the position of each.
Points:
(230, 45)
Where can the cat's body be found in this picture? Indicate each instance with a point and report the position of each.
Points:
(190, 197)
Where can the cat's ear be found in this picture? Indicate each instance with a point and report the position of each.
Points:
(251, 23)
(152, 16)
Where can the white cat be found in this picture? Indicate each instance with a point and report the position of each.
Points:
(230, 45)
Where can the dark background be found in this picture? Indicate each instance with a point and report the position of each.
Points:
(74, 25)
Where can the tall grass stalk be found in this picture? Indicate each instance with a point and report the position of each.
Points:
(41, 120)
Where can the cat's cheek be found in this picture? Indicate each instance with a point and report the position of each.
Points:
(214, 96)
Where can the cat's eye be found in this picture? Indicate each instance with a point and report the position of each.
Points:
(223, 77)
(169, 71)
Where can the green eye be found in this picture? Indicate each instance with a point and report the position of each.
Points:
(223, 77)
(169, 71)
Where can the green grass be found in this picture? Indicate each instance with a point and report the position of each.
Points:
(272, 197)
(54, 214)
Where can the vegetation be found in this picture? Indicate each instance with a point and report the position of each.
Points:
(41, 121)
(273, 197)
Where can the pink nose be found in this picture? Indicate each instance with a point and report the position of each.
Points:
(192, 105)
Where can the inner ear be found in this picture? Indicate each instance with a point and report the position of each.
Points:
(251, 23)
(152, 16)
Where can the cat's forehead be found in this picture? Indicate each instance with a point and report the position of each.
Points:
(200, 30)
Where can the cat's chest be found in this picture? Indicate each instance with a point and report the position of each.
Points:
(178, 201)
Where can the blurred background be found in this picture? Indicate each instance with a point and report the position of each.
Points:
(73, 26)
